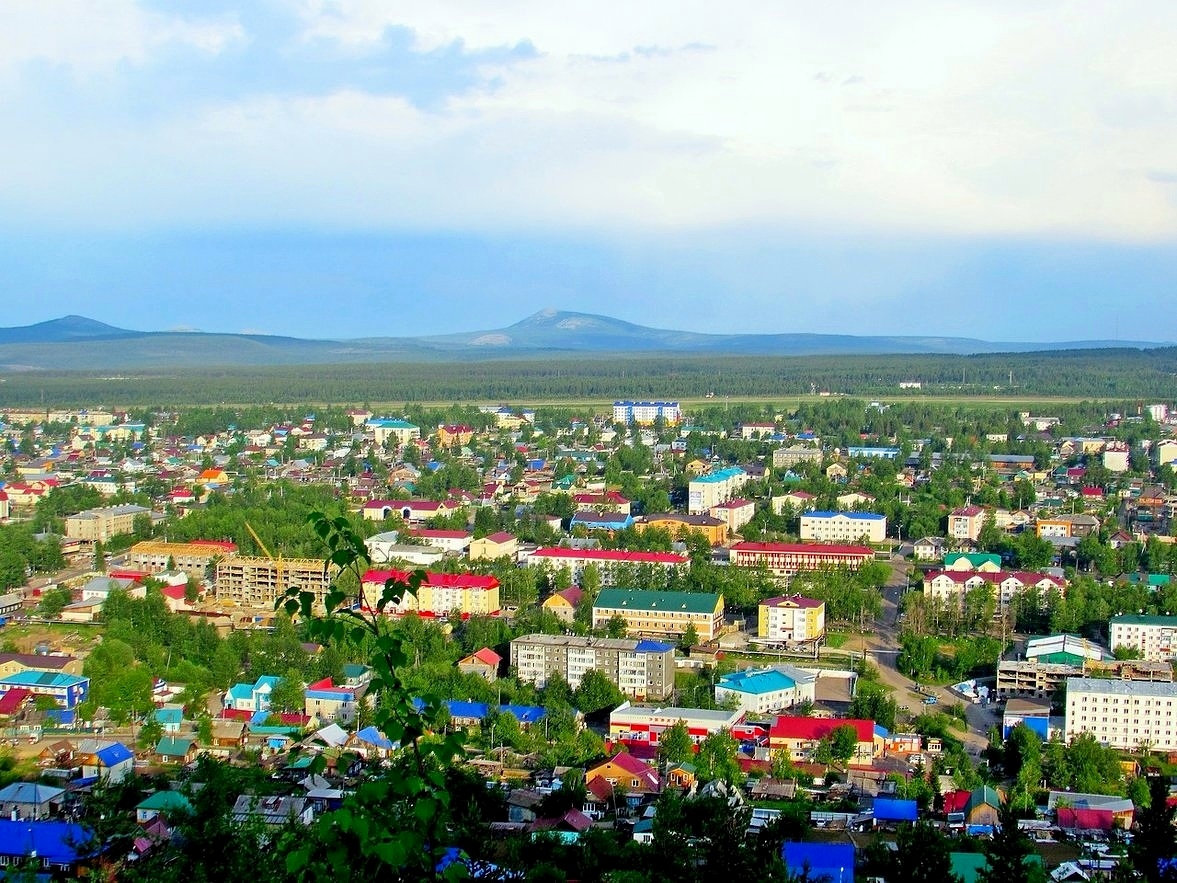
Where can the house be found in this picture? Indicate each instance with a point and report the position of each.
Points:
(496, 545)
(928, 548)
(521, 804)
(172, 749)
(110, 762)
(563, 603)
(170, 717)
(681, 775)
(323, 701)
(624, 771)
(484, 663)
(610, 521)
(228, 737)
(54, 847)
(983, 806)
(273, 812)
(170, 804)
(251, 697)
(30, 800)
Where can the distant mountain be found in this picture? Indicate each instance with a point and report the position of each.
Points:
(78, 343)
(68, 328)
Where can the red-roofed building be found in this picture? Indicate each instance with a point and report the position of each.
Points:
(607, 561)
(633, 775)
(563, 603)
(953, 585)
(410, 511)
(965, 523)
(498, 545)
(441, 594)
(798, 737)
(786, 559)
(610, 501)
(12, 702)
(454, 434)
(484, 663)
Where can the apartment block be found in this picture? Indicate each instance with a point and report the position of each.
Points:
(1031, 678)
(791, 618)
(611, 564)
(785, 559)
(952, 586)
(966, 522)
(714, 488)
(259, 582)
(645, 413)
(99, 525)
(661, 613)
(843, 527)
(642, 670)
(1123, 714)
(783, 458)
(439, 595)
(1154, 636)
(192, 558)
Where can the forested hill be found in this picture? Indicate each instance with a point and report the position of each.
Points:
(77, 343)
(1123, 375)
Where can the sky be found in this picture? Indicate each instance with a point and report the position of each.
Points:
(1000, 169)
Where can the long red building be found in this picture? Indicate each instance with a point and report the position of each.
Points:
(786, 559)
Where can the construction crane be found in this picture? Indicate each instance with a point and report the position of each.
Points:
(279, 568)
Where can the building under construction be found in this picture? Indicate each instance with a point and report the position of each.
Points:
(192, 558)
(259, 582)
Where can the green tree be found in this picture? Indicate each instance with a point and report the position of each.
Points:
(1153, 851)
(718, 758)
(54, 600)
(149, 734)
(288, 694)
(690, 637)
(616, 627)
(596, 692)
(921, 855)
(675, 744)
(1008, 853)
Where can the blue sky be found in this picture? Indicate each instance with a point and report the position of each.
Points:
(335, 168)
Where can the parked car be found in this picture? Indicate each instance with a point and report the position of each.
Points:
(931, 700)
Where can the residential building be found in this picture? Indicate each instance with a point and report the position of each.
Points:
(386, 547)
(30, 800)
(649, 612)
(1116, 457)
(105, 760)
(192, 558)
(273, 812)
(326, 702)
(798, 737)
(783, 458)
(441, 594)
(496, 545)
(792, 502)
(843, 527)
(251, 697)
(610, 521)
(11, 663)
(645, 413)
(610, 563)
(719, 486)
(952, 586)
(484, 663)
(642, 670)
(679, 526)
(761, 691)
(1031, 713)
(409, 511)
(623, 770)
(455, 542)
(985, 562)
(734, 513)
(610, 501)
(564, 603)
(636, 724)
(791, 618)
(54, 847)
(1154, 636)
(1123, 714)
(1067, 649)
(965, 523)
(398, 432)
(928, 548)
(1040, 679)
(259, 582)
(99, 525)
(67, 690)
(785, 559)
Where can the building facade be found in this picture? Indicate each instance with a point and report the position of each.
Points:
(628, 723)
(791, 618)
(611, 564)
(645, 413)
(259, 582)
(1123, 714)
(785, 559)
(843, 527)
(710, 490)
(648, 612)
(1154, 636)
(99, 525)
(965, 523)
(192, 558)
(439, 595)
(642, 670)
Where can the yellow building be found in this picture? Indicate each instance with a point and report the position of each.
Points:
(649, 612)
(259, 582)
(791, 618)
(678, 526)
(192, 558)
(441, 594)
(497, 545)
(99, 525)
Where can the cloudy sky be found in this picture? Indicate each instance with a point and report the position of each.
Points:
(997, 169)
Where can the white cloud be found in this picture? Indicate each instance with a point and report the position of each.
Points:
(971, 118)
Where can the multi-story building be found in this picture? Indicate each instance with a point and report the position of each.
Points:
(678, 526)
(791, 618)
(326, 702)
(259, 582)
(734, 513)
(628, 723)
(762, 691)
(965, 523)
(786, 559)
(66, 690)
(783, 458)
(843, 527)
(719, 486)
(642, 670)
(798, 737)
(952, 586)
(1123, 714)
(645, 413)
(99, 525)
(398, 432)
(193, 558)
(1154, 636)
(440, 594)
(610, 563)
(648, 612)
(1043, 679)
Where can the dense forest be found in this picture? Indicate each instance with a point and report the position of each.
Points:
(1107, 373)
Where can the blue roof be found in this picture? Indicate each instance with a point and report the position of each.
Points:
(757, 682)
(719, 475)
(114, 754)
(860, 516)
(893, 810)
(459, 708)
(373, 736)
(833, 860)
(652, 647)
(526, 714)
(33, 678)
(882, 731)
(169, 715)
(55, 842)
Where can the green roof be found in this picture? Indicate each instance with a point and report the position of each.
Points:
(165, 801)
(983, 795)
(974, 558)
(967, 865)
(1136, 619)
(170, 746)
(643, 599)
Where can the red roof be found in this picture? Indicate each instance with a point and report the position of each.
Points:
(13, 700)
(571, 595)
(794, 600)
(612, 555)
(997, 577)
(501, 537)
(637, 768)
(956, 801)
(815, 728)
(968, 511)
(443, 580)
(487, 657)
(176, 593)
(803, 548)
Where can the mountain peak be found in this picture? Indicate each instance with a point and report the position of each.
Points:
(67, 328)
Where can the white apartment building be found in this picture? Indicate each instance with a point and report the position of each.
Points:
(843, 527)
(642, 670)
(1123, 714)
(1154, 636)
(714, 488)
